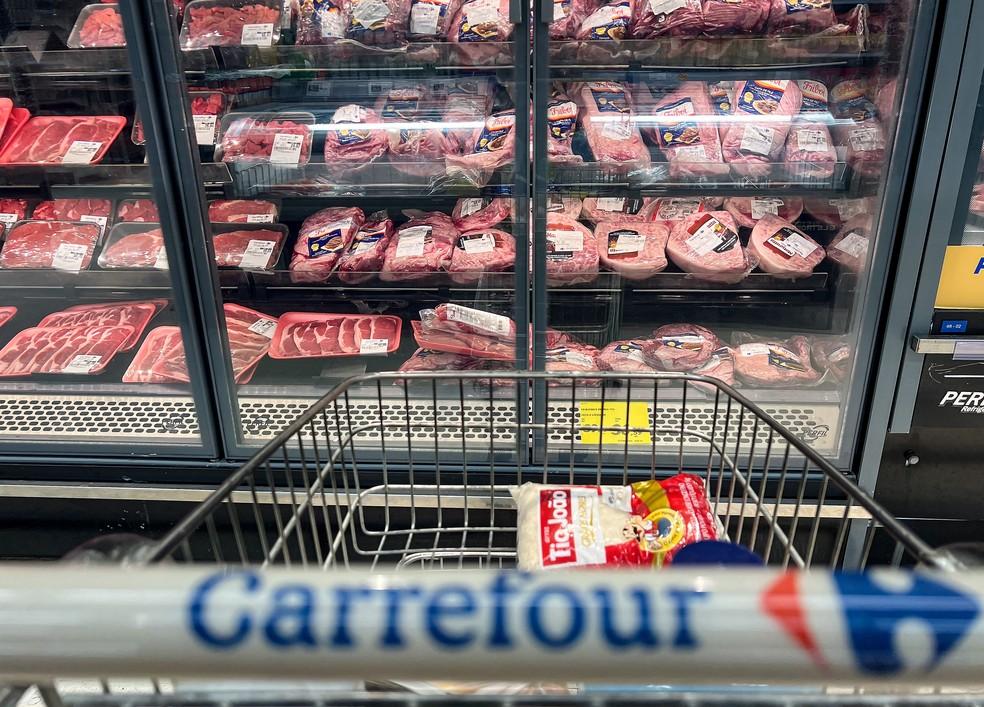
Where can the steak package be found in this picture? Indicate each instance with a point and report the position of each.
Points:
(614, 209)
(378, 23)
(250, 247)
(680, 123)
(242, 211)
(486, 250)
(572, 357)
(62, 245)
(310, 335)
(160, 358)
(137, 211)
(63, 140)
(680, 347)
(610, 21)
(561, 122)
(641, 525)
(471, 214)
(859, 129)
(835, 212)
(706, 245)
(135, 315)
(492, 145)
(833, 356)
(782, 249)
(322, 21)
(850, 246)
(468, 101)
(751, 146)
(607, 121)
(667, 18)
(79, 350)
(365, 255)
(206, 108)
(98, 25)
(624, 357)
(721, 365)
(788, 17)
(723, 17)
(568, 15)
(415, 150)
(421, 246)
(349, 144)
(634, 250)
(431, 19)
(810, 150)
(97, 211)
(775, 363)
(134, 245)
(283, 139)
(322, 239)
(230, 23)
(748, 210)
(479, 29)
(457, 329)
(572, 252)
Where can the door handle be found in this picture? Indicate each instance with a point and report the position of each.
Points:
(961, 348)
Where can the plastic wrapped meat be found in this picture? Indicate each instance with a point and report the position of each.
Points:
(425, 360)
(723, 17)
(706, 245)
(284, 142)
(138, 211)
(607, 121)
(420, 247)
(431, 19)
(479, 30)
(810, 151)
(63, 140)
(748, 210)
(634, 250)
(561, 121)
(851, 244)
(214, 24)
(682, 124)
(459, 319)
(750, 146)
(721, 365)
(568, 206)
(680, 347)
(832, 356)
(792, 17)
(834, 212)
(610, 21)
(102, 27)
(782, 249)
(242, 211)
(492, 145)
(470, 214)
(349, 145)
(468, 104)
(624, 357)
(573, 357)
(381, 23)
(568, 16)
(414, 150)
(49, 244)
(866, 146)
(365, 255)
(775, 363)
(572, 252)
(323, 237)
(669, 18)
(479, 252)
(615, 208)
(312, 335)
(254, 249)
(135, 250)
(322, 21)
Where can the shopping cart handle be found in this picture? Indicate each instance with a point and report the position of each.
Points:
(962, 348)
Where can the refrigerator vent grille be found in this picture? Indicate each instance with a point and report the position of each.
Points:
(109, 418)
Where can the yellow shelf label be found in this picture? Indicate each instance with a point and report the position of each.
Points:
(610, 424)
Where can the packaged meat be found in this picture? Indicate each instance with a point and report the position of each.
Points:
(832, 356)
(834, 212)
(283, 139)
(250, 247)
(561, 121)
(885, 100)
(850, 246)
(722, 17)
(231, 23)
(77, 140)
(323, 237)
(378, 23)
(634, 250)
(669, 210)
(98, 25)
(810, 151)
(351, 141)
(132, 314)
(748, 210)
(322, 21)
(459, 319)
(667, 18)
(480, 30)
(471, 345)
(572, 252)
(11, 211)
(250, 335)
(471, 214)
(681, 124)
(17, 120)
(468, 101)
(486, 250)
(97, 211)
(706, 245)
(160, 358)
(610, 21)
(721, 365)
(492, 145)
(365, 255)
(138, 211)
(431, 19)
(793, 17)
(134, 246)
(775, 363)
(62, 245)
(607, 121)
(568, 16)
(414, 149)
(566, 206)
(6, 314)
(680, 347)
(614, 209)
(6, 110)
(425, 360)
(750, 146)
(242, 211)
(78, 350)
(782, 249)
(624, 357)
(206, 109)
(642, 525)
(309, 335)
(865, 145)
(420, 246)
(573, 357)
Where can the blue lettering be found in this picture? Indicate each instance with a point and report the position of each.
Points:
(289, 622)
(684, 637)
(500, 591)
(198, 610)
(344, 596)
(642, 634)
(449, 603)
(980, 267)
(575, 611)
(392, 638)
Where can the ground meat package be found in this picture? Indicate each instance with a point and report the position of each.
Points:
(634, 250)
(775, 363)
(748, 210)
(364, 257)
(230, 23)
(681, 126)
(421, 246)
(750, 146)
(323, 237)
(572, 252)
(670, 18)
(641, 525)
(782, 249)
(485, 250)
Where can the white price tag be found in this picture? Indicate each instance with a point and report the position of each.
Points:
(259, 218)
(846, 208)
(566, 241)
(617, 129)
(8, 220)
(611, 204)
(370, 13)
(559, 10)
(257, 35)
(373, 346)
(865, 139)
(160, 262)
(332, 24)
(470, 206)
(711, 234)
(757, 140)
(69, 256)
(264, 327)
(204, 129)
(98, 220)
(683, 340)
(749, 350)
(627, 242)
(349, 114)
(257, 254)
(578, 359)
(812, 141)
(792, 244)
(82, 363)
(690, 153)
(765, 207)
(81, 152)
(677, 209)
(854, 244)
(486, 321)
(410, 241)
(286, 148)
(477, 243)
(424, 17)
(482, 12)
(665, 7)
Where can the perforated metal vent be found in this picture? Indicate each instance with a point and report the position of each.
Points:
(95, 417)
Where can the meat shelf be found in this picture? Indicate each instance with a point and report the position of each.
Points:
(130, 176)
(92, 62)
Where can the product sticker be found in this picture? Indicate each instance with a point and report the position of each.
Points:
(495, 133)
(477, 319)
(632, 350)
(561, 116)
(373, 346)
(8, 220)
(481, 22)
(349, 114)
(801, 5)
(784, 358)
(611, 204)
(69, 256)
(815, 96)
(82, 363)
(561, 245)
(790, 243)
(851, 102)
(854, 244)
(865, 139)
(81, 152)
(369, 15)
(471, 206)
(662, 8)
(332, 22)
(366, 241)
(257, 35)
(617, 129)
(410, 241)
(259, 218)
(690, 153)
(765, 207)
(839, 354)
(749, 350)
(286, 148)
(425, 16)
(812, 140)
(611, 21)
(757, 140)
(760, 97)
(578, 358)
(609, 422)
(708, 234)
(160, 262)
(477, 243)
(326, 239)
(672, 129)
(609, 97)
(625, 242)
(264, 327)
(687, 342)
(677, 209)
(204, 128)
(98, 220)
(561, 9)
(847, 208)
(721, 93)
(257, 254)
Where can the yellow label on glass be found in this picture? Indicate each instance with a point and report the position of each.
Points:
(962, 279)
(611, 423)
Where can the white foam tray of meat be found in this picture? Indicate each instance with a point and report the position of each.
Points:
(308, 335)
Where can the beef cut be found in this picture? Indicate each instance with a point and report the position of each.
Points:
(481, 251)
(492, 145)
(810, 151)
(567, 206)
(680, 347)
(80, 350)
(378, 23)
(260, 139)
(322, 21)
(63, 139)
(350, 143)
(471, 345)
(680, 123)
(49, 244)
(775, 363)
(242, 211)
(721, 365)
(833, 356)
(421, 246)
(307, 335)
(459, 319)
(323, 237)
(468, 102)
(749, 146)
(610, 21)
(573, 357)
(365, 255)
(160, 359)
(480, 30)
(568, 16)
(135, 250)
(834, 212)
(851, 244)
(748, 210)
(706, 245)
(782, 249)
(415, 150)
(102, 27)
(667, 18)
(607, 121)
(572, 252)
(132, 314)
(216, 25)
(12, 211)
(792, 17)
(668, 211)
(634, 250)
(614, 209)
(137, 211)
(624, 357)
(723, 17)
(252, 249)
(471, 214)
(73, 210)
(561, 122)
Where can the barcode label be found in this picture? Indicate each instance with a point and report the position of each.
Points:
(69, 256)
(264, 327)
(160, 262)
(204, 129)
(373, 346)
(259, 218)
(82, 363)
(257, 35)
(257, 254)
(286, 148)
(81, 152)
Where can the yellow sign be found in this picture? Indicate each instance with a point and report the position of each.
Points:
(612, 422)
(962, 279)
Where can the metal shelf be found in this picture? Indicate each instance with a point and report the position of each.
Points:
(115, 176)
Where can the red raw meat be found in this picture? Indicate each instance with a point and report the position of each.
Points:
(775, 363)
(834, 212)
(431, 19)
(102, 27)
(473, 214)
(606, 118)
(214, 25)
(782, 249)
(670, 18)
(634, 250)
(706, 245)
(414, 150)
(133, 314)
(810, 151)
(458, 319)
(322, 21)
(250, 335)
(138, 211)
(421, 246)
(680, 347)
(572, 252)
(381, 23)
(734, 16)
(469, 102)
(6, 314)
(257, 139)
(748, 210)
(242, 211)
(480, 30)
(425, 360)
(792, 17)
(72, 209)
(11, 211)
(620, 209)
(349, 146)
(492, 145)
(610, 21)
(473, 345)
(624, 357)
(850, 246)
(35, 244)
(17, 120)
(568, 16)
(364, 257)
(136, 250)
(210, 103)
(81, 350)
(323, 237)
(750, 146)
(49, 139)
(682, 125)
(231, 247)
(160, 359)
(481, 251)
(561, 121)
(306, 335)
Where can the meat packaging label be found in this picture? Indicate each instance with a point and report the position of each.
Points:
(686, 342)
(259, 218)
(471, 206)
(781, 357)
(327, 239)
(8, 220)
(846, 208)
(619, 205)
(757, 139)
(477, 243)
(625, 242)
(815, 96)
(690, 153)
(611, 21)
(561, 245)
(709, 235)
(286, 148)
(609, 97)
(763, 207)
(495, 132)
(403, 107)
(617, 129)
(561, 116)
(373, 346)
(677, 209)
(631, 350)
(100, 221)
(365, 241)
(761, 97)
(672, 130)
(257, 35)
(812, 140)
(854, 244)
(81, 152)
(801, 5)
(721, 97)
(565, 355)
(786, 241)
(82, 363)
(69, 257)
(331, 20)
(257, 254)
(425, 16)
(864, 139)
(410, 242)
(481, 22)
(561, 9)
(850, 101)
(204, 128)
(662, 8)
(749, 350)
(490, 322)
(369, 15)
(264, 327)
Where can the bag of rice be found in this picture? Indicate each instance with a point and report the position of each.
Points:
(643, 524)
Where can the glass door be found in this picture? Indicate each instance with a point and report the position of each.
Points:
(95, 357)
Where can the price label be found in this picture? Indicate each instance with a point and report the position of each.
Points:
(854, 244)
(424, 17)
(482, 13)
(98, 220)
(69, 256)
(611, 422)
(812, 140)
(259, 218)
(81, 152)
(478, 243)
(410, 241)
(373, 346)
(560, 10)
(626, 242)
(757, 140)
(470, 206)
(792, 244)
(204, 129)
(257, 35)
(8, 220)
(749, 350)
(617, 129)
(332, 24)
(611, 204)
(82, 363)
(765, 207)
(257, 254)
(566, 241)
(865, 139)
(264, 327)
(160, 262)
(485, 321)
(286, 148)
(665, 7)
